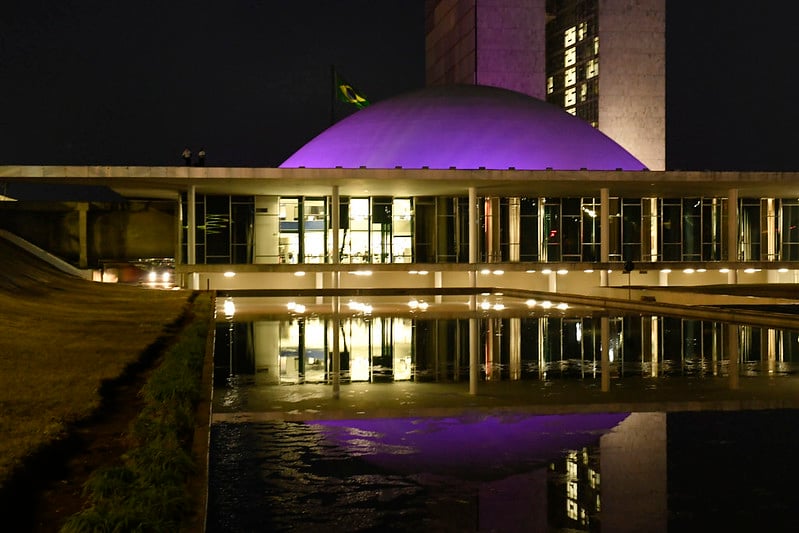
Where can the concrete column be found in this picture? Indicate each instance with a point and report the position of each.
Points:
(319, 283)
(266, 350)
(336, 302)
(654, 344)
(605, 363)
(732, 235)
(653, 230)
(191, 245)
(553, 281)
(604, 233)
(83, 235)
(543, 331)
(515, 349)
(514, 229)
(540, 239)
(473, 324)
(732, 354)
(771, 350)
(438, 282)
(663, 278)
(492, 225)
(771, 231)
(179, 219)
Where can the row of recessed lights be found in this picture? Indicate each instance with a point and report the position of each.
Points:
(229, 308)
(414, 304)
(561, 272)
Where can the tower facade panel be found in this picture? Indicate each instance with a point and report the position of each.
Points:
(601, 60)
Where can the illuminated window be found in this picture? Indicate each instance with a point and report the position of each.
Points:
(592, 68)
(569, 36)
(570, 57)
(596, 46)
(550, 84)
(570, 97)
(359, 214)
(572, 111)
(582, 28)
(571, 469)
(571, 76)
(583, 92)
(572, 510)
(593, 478)
(571, 490)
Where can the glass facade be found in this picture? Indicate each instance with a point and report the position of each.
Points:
(572, 56)
(384, 229)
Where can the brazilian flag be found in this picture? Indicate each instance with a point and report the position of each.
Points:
(348, 94)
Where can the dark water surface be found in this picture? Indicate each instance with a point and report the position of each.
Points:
(706, 471)
(653, 472)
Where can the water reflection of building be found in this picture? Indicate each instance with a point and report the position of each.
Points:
(394, 348)
(585, 472)
(621, 484)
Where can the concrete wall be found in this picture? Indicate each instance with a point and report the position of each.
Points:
(450, 42)
(511, 45)
(137, 229)
(632, 77)
(143, 230)
(633, 463)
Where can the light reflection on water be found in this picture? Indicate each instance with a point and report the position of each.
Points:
(642, 472)
(385, 349)
(390, 474)
(706, 471)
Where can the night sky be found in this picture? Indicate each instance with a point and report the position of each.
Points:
(132, 83)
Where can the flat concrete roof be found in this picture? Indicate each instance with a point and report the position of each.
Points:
(144, 181)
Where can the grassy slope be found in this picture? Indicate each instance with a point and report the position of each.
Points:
(60, 338)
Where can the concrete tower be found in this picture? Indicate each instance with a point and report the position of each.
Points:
(602, 60)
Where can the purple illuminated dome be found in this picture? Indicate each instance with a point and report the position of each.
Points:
(467, 127)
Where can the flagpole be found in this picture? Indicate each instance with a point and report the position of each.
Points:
(333, 94)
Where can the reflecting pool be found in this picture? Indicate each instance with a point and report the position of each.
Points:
(511, 472)
(284, 350)
(706, 471)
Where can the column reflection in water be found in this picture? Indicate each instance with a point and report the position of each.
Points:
(385, 348)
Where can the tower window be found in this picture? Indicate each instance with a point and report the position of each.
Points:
(592, 68)
(570, 97)
(569, 37)
(571, 76)
(570, 57)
